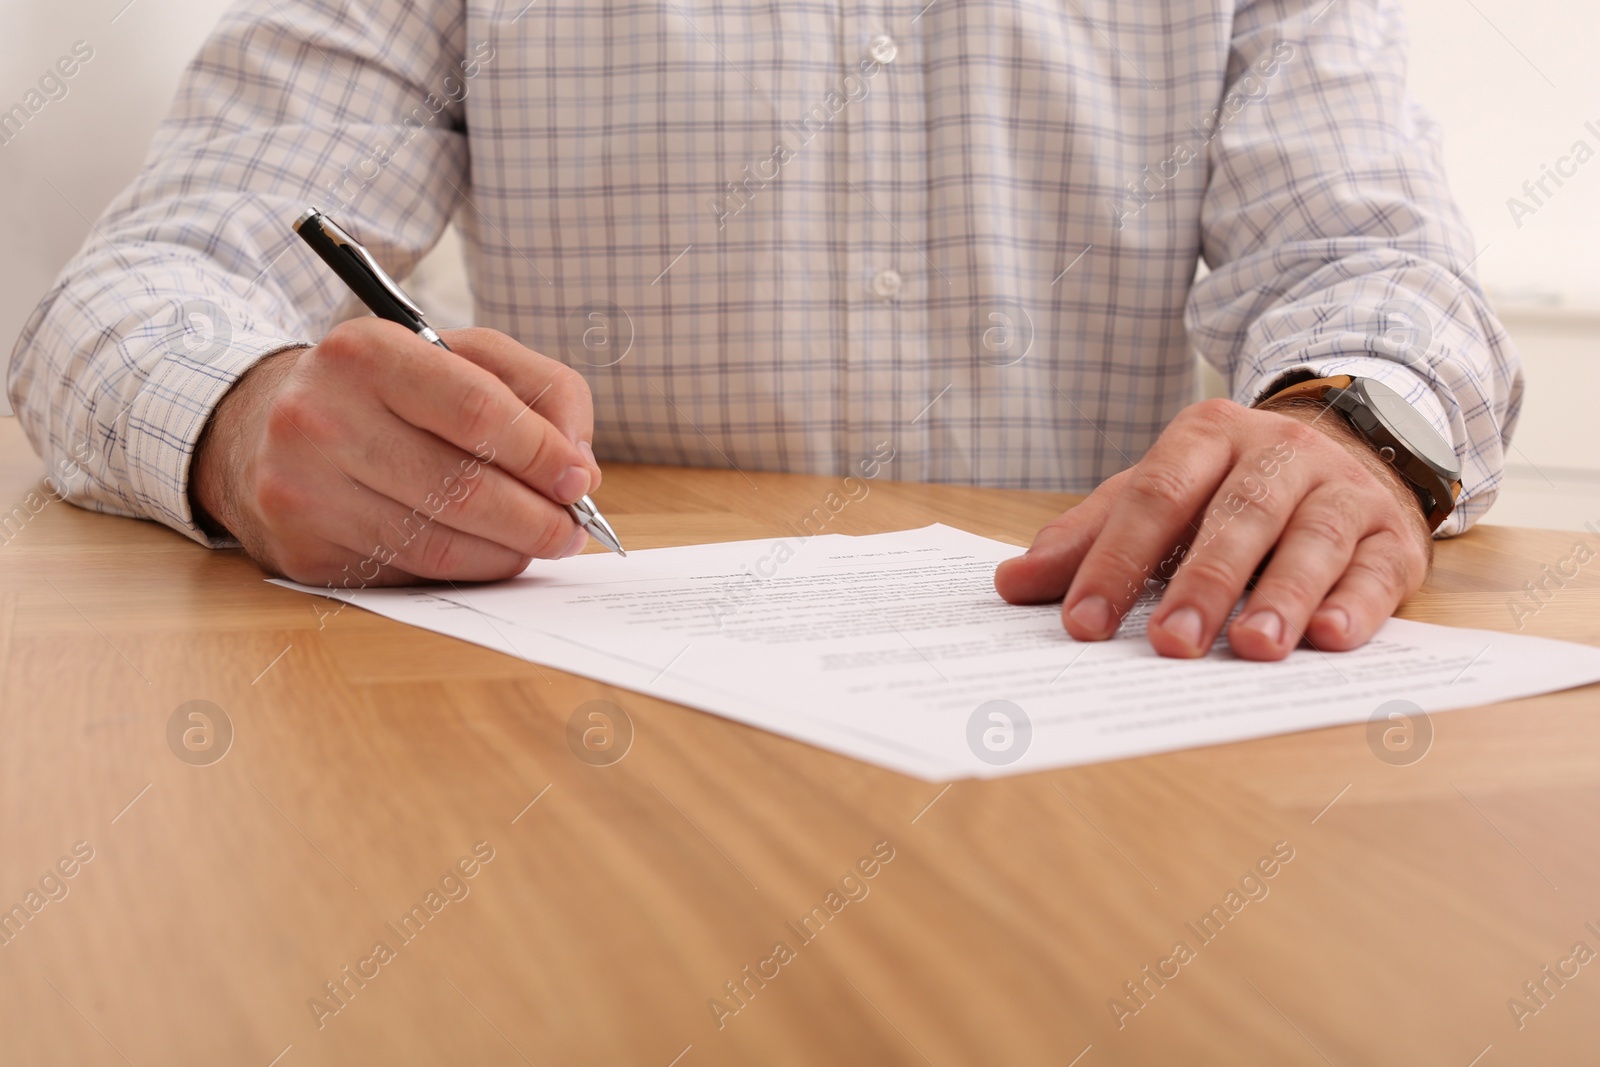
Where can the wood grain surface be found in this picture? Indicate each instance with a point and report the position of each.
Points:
(371, 765)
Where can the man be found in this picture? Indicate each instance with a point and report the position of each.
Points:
(780, 237)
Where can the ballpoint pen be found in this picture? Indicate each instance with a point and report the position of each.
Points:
(383, 295)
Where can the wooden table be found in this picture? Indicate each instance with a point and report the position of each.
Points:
(368, 758)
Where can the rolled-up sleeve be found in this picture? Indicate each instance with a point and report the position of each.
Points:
(1332, 240)
(193, 273)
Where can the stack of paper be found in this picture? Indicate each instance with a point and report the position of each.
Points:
(894, 648)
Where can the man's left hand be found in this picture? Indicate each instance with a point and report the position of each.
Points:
(1221, 490)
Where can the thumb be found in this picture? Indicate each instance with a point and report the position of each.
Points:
(1044, 573)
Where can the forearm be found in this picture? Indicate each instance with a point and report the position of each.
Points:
(1336, 247)
(193, 273)
(120, 366)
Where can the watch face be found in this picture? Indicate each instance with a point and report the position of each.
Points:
(1406, 423)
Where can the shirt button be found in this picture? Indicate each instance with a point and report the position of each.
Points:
(883, 49)
(887, 283)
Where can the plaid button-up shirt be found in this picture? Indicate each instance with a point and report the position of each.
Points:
(783, 237)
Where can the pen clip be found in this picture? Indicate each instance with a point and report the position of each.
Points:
(339, 237)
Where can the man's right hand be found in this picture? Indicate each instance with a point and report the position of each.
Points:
(381, 453)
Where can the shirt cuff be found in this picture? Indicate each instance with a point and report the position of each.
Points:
(169, 414)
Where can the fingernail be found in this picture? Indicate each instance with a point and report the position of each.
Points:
(1093, 616)
(1184, 624)
(1266, 623)
(588, 452)
(580, 540)
(573, 483)
(1335, 619)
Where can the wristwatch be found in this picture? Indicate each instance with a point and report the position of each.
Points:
(1402, 437)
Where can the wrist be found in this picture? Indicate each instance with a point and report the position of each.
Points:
(222, 450)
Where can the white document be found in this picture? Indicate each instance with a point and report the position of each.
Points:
(895, 649)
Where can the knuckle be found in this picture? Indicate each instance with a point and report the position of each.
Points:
(1333, 522)
(543, 459)
(295, 415)
(1215, 412)
(344, 344)
(564, 385)
(277, 493)
(1100, 499)
(1061, 528)
(1302, 435)
(1291, 587)
(1116, 573)
(476, 409)
(475, 337)
(1387, 569)
(437, 550)
(1117, 481)
(564, 377)
(1209, 573)
(1160, 484)
(284, 416)
(1113, 486)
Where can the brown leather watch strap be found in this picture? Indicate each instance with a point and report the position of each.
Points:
(1315, 389)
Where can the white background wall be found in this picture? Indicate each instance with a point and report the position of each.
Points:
(1512, 81)
(76, 153)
